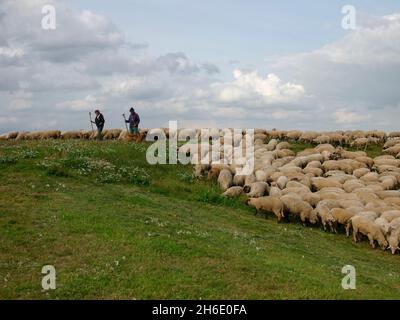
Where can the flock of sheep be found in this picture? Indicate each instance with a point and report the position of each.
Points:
(324, 184)
(109, 134)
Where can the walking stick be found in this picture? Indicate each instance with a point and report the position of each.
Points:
(91, 123)
(126, 125)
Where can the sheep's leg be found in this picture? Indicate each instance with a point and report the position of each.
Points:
(347, 229)
(355, 234)
(371, 240)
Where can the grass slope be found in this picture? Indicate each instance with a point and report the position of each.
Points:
(141, 232)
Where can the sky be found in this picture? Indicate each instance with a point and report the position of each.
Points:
(243, 64)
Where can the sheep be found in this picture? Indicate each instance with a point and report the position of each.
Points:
(325, 216)
(342, 217)
(250, 179)
(393, 240)
(72, 135)
(383, 224)
(312, 198)
(392, 150)
(268, 204)
(388, 194)
(281, 182)
(358, 173)
(233, 192)
(239, 180)
(390, 215)
(319, 183)
(214, 173)
(261, 175)
(275, 192)
(369, 228)
(201, 169)
(371, 215)
(300, 208)
(256, 189)
(112, 134)
(225, 179)
(351, 185)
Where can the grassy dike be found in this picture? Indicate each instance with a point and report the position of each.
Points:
(116, 227)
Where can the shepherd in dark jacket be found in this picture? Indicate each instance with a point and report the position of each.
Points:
(99, 121)
(133, 121)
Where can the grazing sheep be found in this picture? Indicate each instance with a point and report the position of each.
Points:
(225, 179)
(393, 240)
(342, 217)
(369, 228)
(239, 180)
(325, 216)
(201, 169)
(301, 208)
(214, 173)
(268, 204)
(257, 189)
(233, 192)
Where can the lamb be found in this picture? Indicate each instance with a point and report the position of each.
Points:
(233, 192)
(268, 204)
(370, 229)
(257, 189)
(225, 179)
(342, 217)
(300, 208)
(324, 214)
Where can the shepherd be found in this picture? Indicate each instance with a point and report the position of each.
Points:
(99, 121)
(133, 121)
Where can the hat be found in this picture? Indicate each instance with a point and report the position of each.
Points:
(132, 110)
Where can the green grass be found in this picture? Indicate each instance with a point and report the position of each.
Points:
(156, 232)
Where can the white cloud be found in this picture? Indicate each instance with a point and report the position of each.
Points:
(252, 85)
(348, 117)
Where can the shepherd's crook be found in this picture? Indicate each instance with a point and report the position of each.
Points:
(126, 125)
(91, 123)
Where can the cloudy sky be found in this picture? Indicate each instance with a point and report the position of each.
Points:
(281, 64)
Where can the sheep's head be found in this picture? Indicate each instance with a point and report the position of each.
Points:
(382, 242)
(314, 215)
